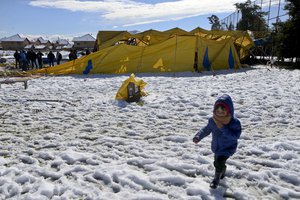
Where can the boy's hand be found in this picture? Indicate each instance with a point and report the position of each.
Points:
(196, 140)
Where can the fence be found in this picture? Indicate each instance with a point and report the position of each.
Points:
(274, 9)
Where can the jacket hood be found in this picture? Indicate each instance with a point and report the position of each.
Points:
(226, 99)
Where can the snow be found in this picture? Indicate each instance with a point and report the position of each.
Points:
(42, 40)
(14, 38)
(62, 41)
(86, 37)
(87, 145)
(40, 47)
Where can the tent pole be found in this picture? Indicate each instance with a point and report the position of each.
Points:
(196, 59)
(175, 51)
(141, 59)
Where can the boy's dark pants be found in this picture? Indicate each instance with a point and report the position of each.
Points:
(220, 163)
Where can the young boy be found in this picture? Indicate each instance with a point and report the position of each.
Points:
(226, 130)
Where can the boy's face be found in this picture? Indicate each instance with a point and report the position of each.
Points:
(221, 111)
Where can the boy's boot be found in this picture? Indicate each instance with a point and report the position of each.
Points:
(214, 184)
(223, 173)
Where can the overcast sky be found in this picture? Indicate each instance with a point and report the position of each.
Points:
(69, 18)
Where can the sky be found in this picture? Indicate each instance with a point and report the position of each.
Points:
(66, 137)
(70, 18)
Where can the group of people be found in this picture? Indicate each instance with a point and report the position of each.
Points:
(32, 60)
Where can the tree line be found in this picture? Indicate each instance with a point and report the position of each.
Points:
(284, 43)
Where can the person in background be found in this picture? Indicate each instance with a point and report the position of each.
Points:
(40, 59)
(27, 59)
(71, 55)
(58, 57)
(226, 130)
(17, 58)
(75, 54)
(51, 58)
(23, 60)
(33, 60)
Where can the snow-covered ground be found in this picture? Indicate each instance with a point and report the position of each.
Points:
(68, 138)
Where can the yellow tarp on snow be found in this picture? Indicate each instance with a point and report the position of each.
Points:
(122, 93)
(174, 54)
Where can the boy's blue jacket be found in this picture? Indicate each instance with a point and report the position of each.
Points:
(224, 140)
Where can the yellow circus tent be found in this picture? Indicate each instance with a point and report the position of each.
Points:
(170, 51)
(241, 39)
